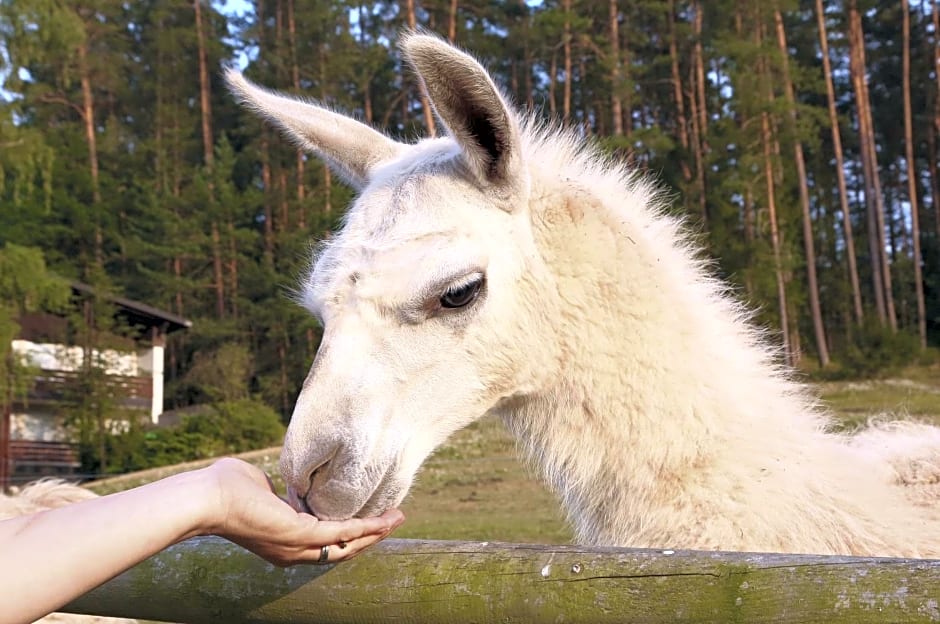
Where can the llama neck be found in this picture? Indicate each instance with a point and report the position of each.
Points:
(659, 375)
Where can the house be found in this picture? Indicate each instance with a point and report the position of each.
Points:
(34, 441)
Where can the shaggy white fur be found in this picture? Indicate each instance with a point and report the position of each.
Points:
(40, 496)
(635, 382)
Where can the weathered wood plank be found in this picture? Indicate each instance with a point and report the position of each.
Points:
(208, 580)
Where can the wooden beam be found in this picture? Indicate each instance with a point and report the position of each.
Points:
(208, 580)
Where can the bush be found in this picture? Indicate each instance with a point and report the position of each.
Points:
(235, 427)
(213, 430)
(879, 351)
(219, 375)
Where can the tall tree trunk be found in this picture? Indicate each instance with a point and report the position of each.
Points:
(911, 168)
(616, 73)
(698, 152)
(527, 56)
(233, 269)
(295, 79)
(266, 172)
(266, 183)
(585, 104)
(207, 152)
(160, 165)
(809, 245)
(366, 85)
(840, 166)
(452, 22)
(935, 19)
(935, 130)
(204, 105)
(767, 143)
(552, 80)
(327, 173)
(425, 103)
(702, 105)
(934, 172)
(217, 270)
(870, 156)
(282, 358)
(699, 63)
(91, 140)
(775, 236)
(681, 122)
(566, 52)
(283, 222)
(177, 190)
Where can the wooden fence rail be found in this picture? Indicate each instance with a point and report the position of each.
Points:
(208, 580)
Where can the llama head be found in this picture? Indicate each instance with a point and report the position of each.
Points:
(421, 295)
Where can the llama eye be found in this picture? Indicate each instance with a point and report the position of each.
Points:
(463, 295)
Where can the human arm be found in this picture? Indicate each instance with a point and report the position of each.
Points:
(49, 558)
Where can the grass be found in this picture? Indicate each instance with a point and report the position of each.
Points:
(475, 488)
(913, 395)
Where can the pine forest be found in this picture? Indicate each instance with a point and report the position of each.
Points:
(799, 139)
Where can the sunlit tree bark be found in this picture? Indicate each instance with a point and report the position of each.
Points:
(910, 168)
(840, 166)
(809, 245)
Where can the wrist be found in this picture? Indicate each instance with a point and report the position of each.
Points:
(201, 492)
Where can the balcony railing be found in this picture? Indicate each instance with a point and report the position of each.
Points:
(57, 386)
(37, 453)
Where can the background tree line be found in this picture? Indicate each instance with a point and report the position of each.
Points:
(799, 137)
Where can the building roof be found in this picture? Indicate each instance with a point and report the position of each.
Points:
(137, 313)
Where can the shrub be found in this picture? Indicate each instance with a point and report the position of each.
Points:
(211, 431)
(879, 351)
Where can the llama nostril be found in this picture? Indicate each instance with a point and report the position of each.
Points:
(321, 469)
(318, 474)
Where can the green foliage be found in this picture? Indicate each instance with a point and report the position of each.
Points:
(877, 352)
(221, 374)
(213, 430)
(223, 243)
(25, 285)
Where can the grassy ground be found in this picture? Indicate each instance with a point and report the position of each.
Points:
(475, 487)
(915, 394)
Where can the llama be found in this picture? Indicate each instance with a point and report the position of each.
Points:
(40, 496)
(507, 268)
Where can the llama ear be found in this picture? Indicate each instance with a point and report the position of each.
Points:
(469, 105)
(349, 147)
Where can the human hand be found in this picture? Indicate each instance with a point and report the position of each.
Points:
(251, 514)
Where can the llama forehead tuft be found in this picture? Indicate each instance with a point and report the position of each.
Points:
(414, 185)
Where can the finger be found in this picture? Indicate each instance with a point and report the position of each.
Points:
(334, 554)
(333, 532)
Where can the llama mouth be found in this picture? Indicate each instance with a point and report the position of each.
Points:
(336, 500)
(386, 496)
(388, 493)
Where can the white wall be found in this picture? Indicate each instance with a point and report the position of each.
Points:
(56, 357)
(37, 426)
(64, 358)
(150, 362)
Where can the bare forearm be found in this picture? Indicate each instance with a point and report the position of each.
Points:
(50, 558)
